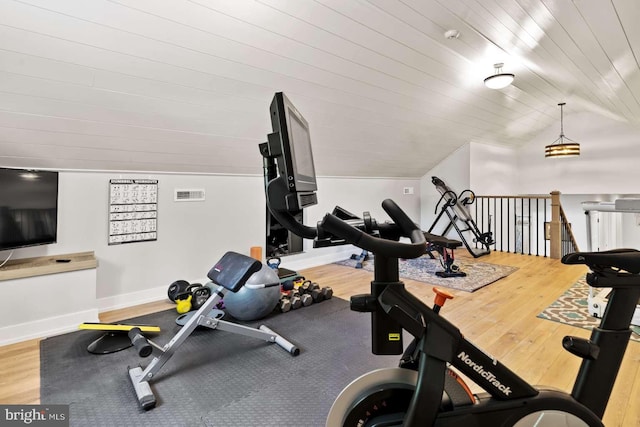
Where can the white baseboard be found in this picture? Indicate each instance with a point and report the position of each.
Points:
(293, 262)
(46, 327)
(308, 260)
(131, 299)
(69, 322)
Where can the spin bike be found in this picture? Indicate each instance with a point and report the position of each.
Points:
(425, 391)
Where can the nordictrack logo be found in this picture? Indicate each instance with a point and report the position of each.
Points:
(488, 375)
(37, 415)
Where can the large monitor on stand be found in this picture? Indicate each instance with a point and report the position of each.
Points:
(290, 178)
(290, 186)
(291, 139)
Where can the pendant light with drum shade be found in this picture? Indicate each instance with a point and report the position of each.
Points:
(563, 146)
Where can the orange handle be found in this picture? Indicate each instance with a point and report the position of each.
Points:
(441, 296)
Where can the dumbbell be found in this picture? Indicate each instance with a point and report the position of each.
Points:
(294, 299)
(327, 292)
(305, 287)
(306, 299)
(312, 289)
(317, 293)
(284, 304)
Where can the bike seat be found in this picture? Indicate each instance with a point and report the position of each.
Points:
(621, 259)
(441, 241)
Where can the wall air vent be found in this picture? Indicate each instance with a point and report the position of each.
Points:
(189, 195)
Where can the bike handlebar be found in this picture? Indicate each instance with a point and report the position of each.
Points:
(384, 247)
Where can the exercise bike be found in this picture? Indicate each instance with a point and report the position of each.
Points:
(425, 391)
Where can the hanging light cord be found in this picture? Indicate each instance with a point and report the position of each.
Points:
(560, 148)
(561, 138)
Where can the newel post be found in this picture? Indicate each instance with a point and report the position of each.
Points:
(555, 234)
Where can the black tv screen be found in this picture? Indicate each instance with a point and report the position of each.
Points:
(28, 208)
(295, 158)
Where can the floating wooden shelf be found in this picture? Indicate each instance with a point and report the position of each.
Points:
(40, 266)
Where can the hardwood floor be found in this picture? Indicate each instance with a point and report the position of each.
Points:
(500, 318)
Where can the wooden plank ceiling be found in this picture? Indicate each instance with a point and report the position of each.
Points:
(184, 86)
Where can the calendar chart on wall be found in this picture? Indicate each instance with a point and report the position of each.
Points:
(133, 210)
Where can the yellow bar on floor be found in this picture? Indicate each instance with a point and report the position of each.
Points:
(117, 327)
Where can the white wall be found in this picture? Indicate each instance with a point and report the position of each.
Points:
(192, 236)
(630, 230)
(484, 169)
(605, 170)
(608, 161)
(357, 195)
(492, 169)
(623, 232)
(572, 206)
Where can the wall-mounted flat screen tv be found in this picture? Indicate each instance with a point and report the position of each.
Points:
(28, 208)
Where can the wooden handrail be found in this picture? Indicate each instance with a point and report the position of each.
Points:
(568, 232)
(559, 224)
(520, 196)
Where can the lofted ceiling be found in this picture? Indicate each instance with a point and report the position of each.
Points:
(185, 85)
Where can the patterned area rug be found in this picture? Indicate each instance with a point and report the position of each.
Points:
(572, 308)
(423, 269)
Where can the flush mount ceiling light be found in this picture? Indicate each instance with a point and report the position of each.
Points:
(499, 80)
(560, 148)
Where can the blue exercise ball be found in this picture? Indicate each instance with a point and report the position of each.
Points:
(254, 300)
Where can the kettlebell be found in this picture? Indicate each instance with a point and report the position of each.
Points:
(274, 262)
(177, 289)
(184, 305)
(200, 295)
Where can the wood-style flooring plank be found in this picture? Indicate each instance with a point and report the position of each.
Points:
(500, 318)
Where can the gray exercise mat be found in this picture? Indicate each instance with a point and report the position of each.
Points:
(217, 378)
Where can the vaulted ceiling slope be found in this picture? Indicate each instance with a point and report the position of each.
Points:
(185, 85)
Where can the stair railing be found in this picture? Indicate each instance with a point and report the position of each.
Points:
(526, 224)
